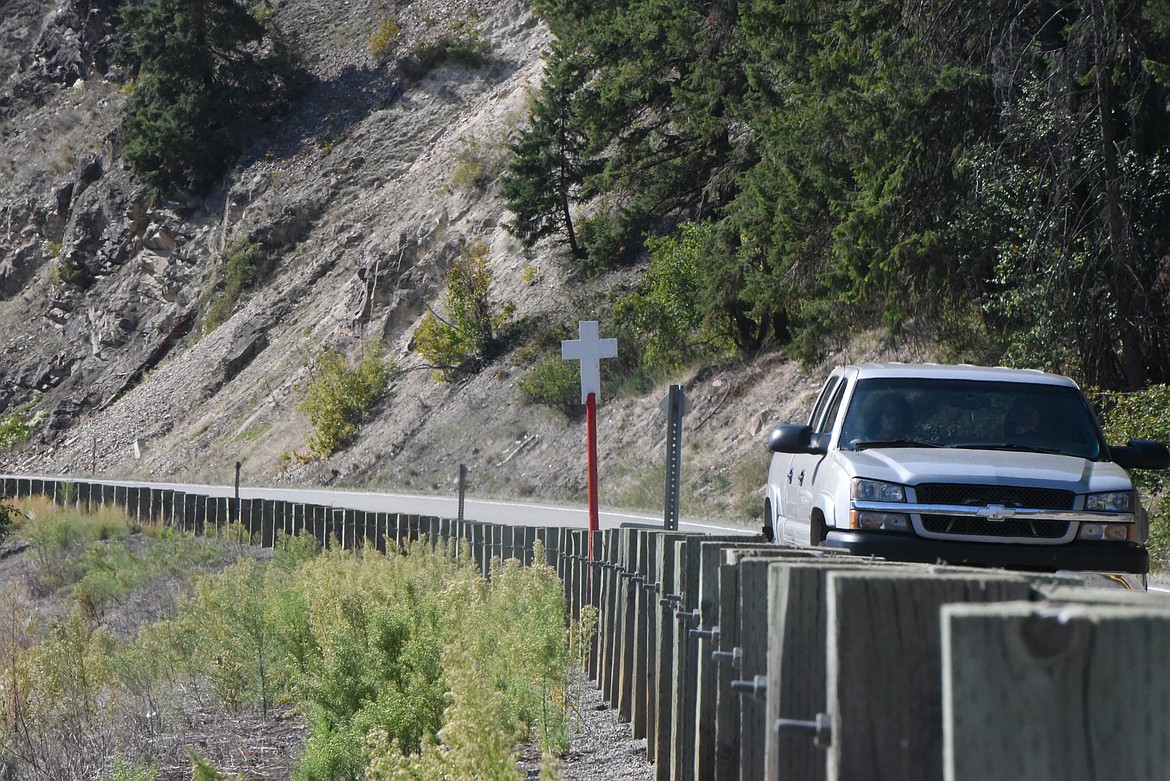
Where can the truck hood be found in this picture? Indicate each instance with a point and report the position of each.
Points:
(948, 465)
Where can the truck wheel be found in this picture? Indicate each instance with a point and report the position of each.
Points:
(816, 530)
(769, 532)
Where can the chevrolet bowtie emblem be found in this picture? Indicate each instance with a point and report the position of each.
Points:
(996, 512)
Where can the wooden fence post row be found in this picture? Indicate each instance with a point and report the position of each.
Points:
(739, 659)
(263, 521)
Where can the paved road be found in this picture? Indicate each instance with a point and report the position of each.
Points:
(487, 510)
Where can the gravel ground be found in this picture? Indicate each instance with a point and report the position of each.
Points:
(603, 748)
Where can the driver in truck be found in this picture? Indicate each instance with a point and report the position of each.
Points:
(889, 420)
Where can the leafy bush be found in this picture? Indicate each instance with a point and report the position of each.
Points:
(555, 383)
(8, 517)
(1143, 415)
(507, 671)
(666, 312)
(472, 332)
(476, 165)
(243, 264)
(16, 429)
(96, 576)
(464, 46)
(383, 35)
(403, 666)
(339, 396)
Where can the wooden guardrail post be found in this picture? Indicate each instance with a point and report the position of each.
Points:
(219, 510)
(710, 555)
(650, 590)
(643, 618)
(685, 671)
(706, 639)
(610, 605)
(627, 570)
(796, 667)
(668, 598)
(884, 657)
(120, 494)
(1050, 693)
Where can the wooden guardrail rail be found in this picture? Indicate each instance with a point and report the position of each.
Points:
(739, 659)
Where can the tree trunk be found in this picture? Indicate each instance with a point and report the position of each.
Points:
(1113, 212)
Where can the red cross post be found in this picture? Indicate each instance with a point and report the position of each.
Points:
(589, 349)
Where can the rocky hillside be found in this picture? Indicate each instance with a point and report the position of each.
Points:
(354, 197)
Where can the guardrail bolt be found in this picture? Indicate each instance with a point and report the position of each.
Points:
(821, 729)
(735, 656)
(757, 687)
(670, 600)
(711, 634)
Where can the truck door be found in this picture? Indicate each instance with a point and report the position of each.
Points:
(798, 480)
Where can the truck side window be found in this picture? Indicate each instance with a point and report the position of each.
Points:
(827, 393)
(826, 423)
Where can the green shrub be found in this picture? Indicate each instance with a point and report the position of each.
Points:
(84, 555)
(1143, 414)
(8, 518)
(472, 332)
(555, 383)
(107, 574)
(464, 46)
(604, 239)
(339, 396)
(666, 311)
(53, 535)
(129, 770)
(507, 668)
(476, 165)
(16, 429)
(383, 36)
(402, 666)
(241, 270)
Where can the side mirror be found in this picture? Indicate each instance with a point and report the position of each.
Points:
(796, 438)
(1141, 454)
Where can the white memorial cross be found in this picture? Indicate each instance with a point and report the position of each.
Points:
(589, 348)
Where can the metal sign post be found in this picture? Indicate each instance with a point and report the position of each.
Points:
(674, 406)
(589, 349)
(462, 488)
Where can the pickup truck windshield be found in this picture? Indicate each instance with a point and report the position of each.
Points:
(921, 412)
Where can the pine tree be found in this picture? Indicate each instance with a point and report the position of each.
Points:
(548, 165)
(206, 70)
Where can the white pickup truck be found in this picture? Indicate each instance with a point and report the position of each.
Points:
(959, 464)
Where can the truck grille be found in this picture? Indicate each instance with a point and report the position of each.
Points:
(984, 495)
(1007, 495)
(978, 527)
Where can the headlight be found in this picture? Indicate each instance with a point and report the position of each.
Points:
(890, 522)
(1117, 532)
(877, 491)
(1110, 502)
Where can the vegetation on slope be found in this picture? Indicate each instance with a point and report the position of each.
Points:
(996, 173)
